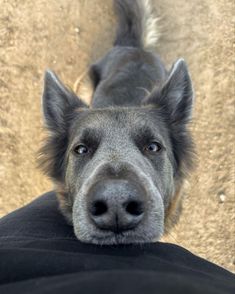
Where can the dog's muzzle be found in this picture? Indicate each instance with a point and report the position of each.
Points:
(116, 205)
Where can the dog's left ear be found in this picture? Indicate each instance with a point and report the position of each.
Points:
(176, 95)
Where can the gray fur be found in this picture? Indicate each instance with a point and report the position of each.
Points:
(136, 101)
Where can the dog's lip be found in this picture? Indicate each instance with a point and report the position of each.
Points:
(126, 237)
(104, 234)
(118, 240)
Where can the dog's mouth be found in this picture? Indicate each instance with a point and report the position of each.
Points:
(149, 231)
(118, 238)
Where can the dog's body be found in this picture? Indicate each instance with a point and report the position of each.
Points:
(118, 165)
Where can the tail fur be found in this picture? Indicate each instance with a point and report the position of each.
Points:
(137, 25)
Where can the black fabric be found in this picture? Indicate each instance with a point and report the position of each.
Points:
(40, 254)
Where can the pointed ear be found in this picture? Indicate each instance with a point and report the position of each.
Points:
(176, 95)
(58, 102)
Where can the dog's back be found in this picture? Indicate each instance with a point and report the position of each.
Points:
(130, 70)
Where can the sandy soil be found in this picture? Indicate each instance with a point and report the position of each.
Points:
(66, 36)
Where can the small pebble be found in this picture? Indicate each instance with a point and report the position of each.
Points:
(77, 30)
(222, 198)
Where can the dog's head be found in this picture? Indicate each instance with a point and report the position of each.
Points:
(117, 170)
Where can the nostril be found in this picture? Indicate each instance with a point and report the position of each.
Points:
(98, 208)
(134, 208)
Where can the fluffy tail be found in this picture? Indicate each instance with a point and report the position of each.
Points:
(137, 25)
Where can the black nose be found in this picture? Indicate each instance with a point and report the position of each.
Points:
(116, 205)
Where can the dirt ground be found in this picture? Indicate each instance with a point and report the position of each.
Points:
(66, 36)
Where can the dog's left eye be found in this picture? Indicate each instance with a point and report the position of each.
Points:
(81, 149)
(153, 147)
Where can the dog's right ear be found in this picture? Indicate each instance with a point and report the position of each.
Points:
(58, 102)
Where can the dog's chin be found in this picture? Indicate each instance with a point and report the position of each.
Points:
(125, 238)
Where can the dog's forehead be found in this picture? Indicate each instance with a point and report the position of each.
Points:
(117, 118)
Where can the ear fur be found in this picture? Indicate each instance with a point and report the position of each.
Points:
(57, 102)
(176, 95)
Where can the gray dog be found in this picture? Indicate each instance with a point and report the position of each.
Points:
(118, 165)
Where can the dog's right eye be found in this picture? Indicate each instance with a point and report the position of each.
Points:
(81, 149)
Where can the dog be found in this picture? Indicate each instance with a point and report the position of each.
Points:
(118, 165)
